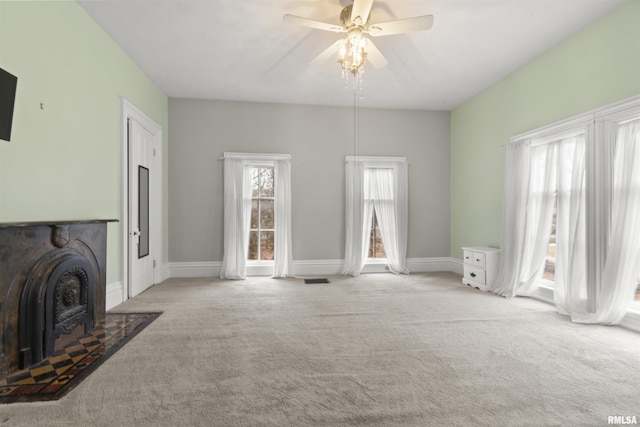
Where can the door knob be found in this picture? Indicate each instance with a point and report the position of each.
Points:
(136, 234)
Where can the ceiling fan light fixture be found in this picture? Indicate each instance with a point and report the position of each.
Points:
(354, 49)
(352, 57)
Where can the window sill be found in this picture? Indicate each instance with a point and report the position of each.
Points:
(634, 307)
(260, 268)
(376, 265)
(545, 292)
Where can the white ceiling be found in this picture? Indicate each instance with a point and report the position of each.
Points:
(241, 50)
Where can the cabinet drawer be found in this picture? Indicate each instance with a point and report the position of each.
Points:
(475, 274)
(479, 259)
(468, 257)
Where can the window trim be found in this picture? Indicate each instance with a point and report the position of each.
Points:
(377, 162)
(258, 160)
(257, 157)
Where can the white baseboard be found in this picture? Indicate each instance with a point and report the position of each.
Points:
(325, 267)
(427, 265)
(163, 273)
(312, 267)
(194, 269)
(114, 295)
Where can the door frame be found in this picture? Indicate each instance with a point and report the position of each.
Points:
(130, 111)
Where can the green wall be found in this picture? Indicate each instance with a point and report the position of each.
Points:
(596, 66)
(63, 161)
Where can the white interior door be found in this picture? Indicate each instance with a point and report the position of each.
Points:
(141, 220)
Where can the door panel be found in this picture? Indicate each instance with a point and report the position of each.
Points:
(143, 211)
(141, 256)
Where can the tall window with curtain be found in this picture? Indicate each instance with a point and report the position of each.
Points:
(577, 183)
(376, 187)
(257, 214)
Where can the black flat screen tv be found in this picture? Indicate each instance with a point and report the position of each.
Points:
(8, 84)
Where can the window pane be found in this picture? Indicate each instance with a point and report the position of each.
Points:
(254, 214)
(267, 214)
(266, 182)
(266, 245)
(253, 245)
(255, 182)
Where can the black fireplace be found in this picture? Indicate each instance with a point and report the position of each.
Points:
(52, 288)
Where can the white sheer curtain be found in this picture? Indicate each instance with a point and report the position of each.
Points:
(534, 175)
(380, 184)
(570, 287)
(355, 252)
(619, 276)
(283, 258)
(237, 215)
(383, 191)
(529, 196)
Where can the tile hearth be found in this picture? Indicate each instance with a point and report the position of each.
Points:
(57, 375)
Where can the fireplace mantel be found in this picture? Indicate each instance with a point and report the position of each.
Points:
(52, 286)
(54, 223)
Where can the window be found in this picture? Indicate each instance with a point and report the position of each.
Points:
(376, 248)
(257, 190)
(376, 201)
(571, 217)
(262, 229)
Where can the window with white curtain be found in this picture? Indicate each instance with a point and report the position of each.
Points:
(376, 213)
(571, 214)
(257, 214)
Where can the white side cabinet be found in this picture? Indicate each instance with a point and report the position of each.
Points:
(480, 266)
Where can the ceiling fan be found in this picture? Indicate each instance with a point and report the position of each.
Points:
(355, 48)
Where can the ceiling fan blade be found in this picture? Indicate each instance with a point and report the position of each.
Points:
(419, 23)
(327, 53)
(311, 23)
(360, 11)
(374, 56)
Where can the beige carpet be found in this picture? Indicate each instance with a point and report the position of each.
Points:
(380, 350)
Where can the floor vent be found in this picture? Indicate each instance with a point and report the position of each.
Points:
(310, 281)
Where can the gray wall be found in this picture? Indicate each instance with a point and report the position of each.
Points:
(318, 139)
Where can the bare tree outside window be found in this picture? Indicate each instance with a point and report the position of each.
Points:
(376, 248)
(261, 233)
